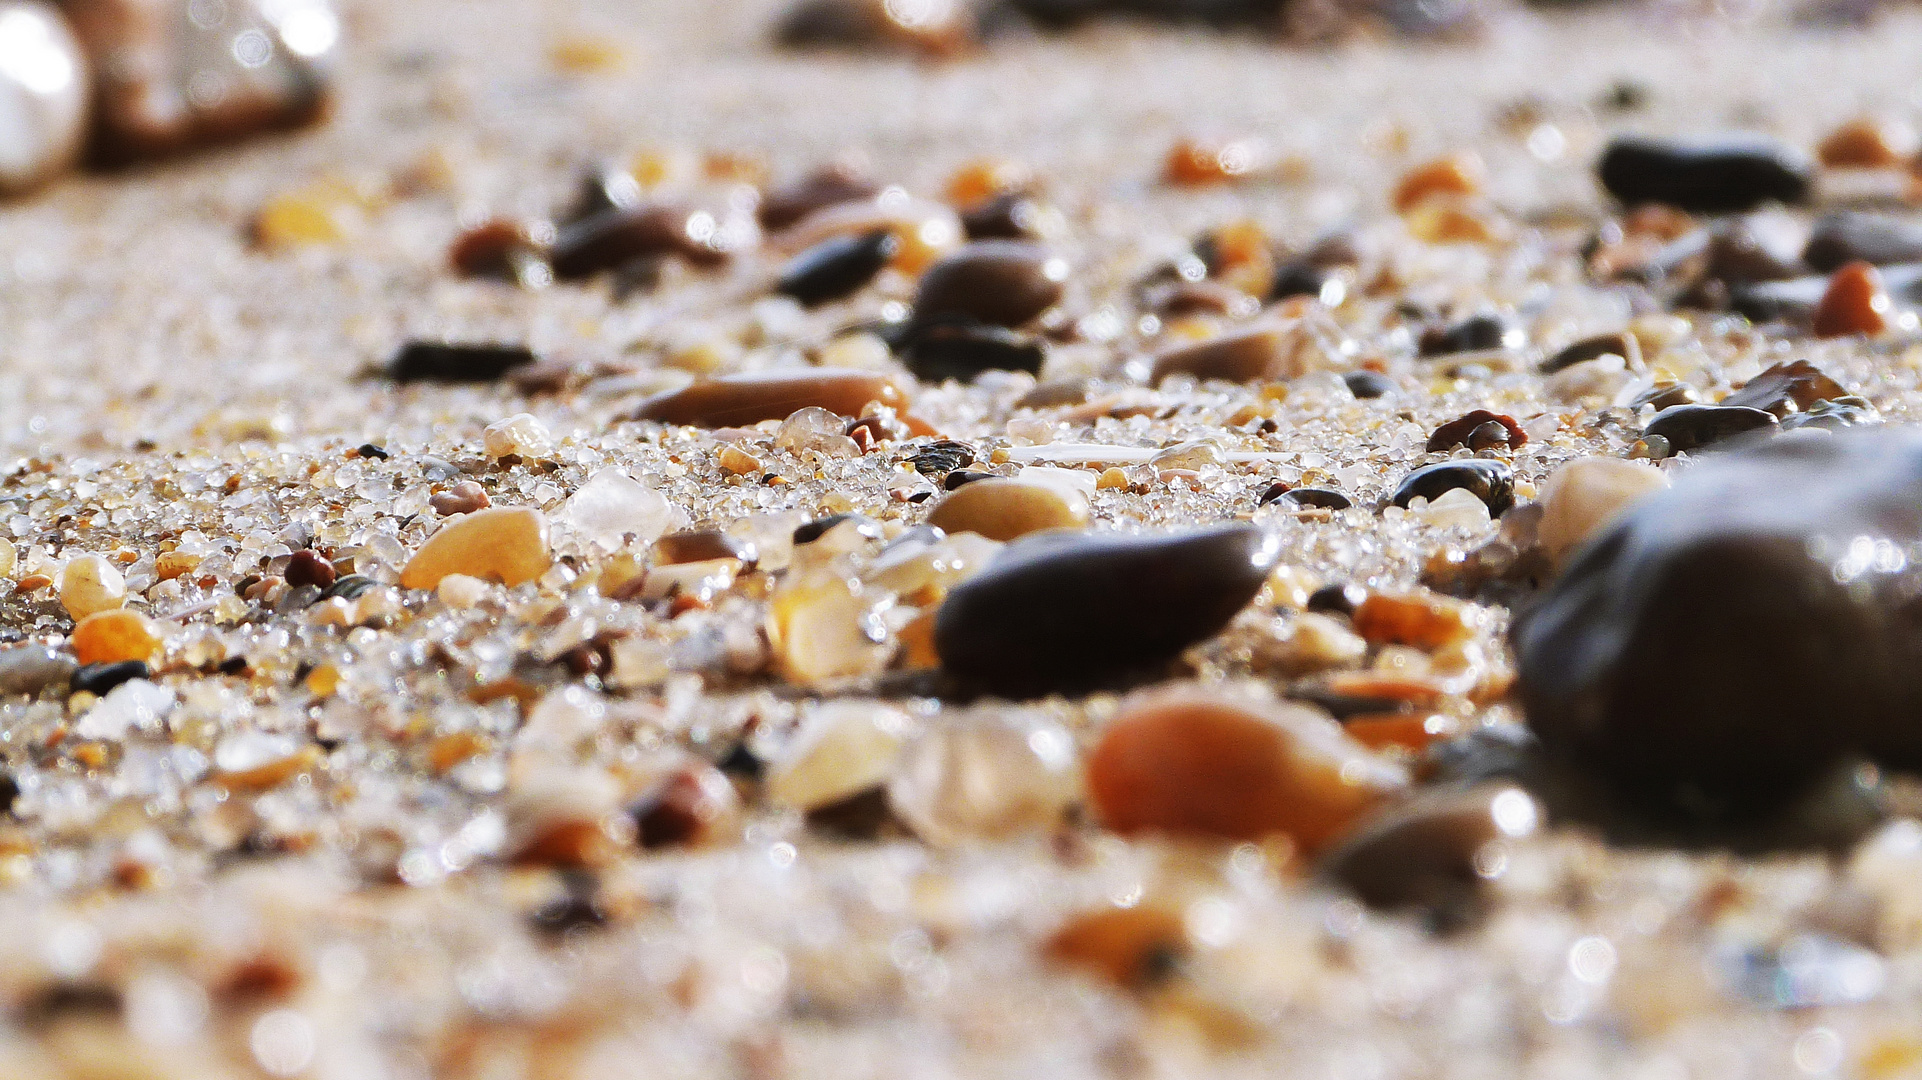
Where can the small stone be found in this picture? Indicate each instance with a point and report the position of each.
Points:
(306, 568)
(1855, 303)
(841, 749)
(1852, 235)
(1302, 277)
(823, 627)
(109, 637)
(1198, 764)
(1464, 430)
(704, 545)
(815, 430)
(29, 669)
(134, 704)
(9, 558)
(922, 571)
(926, 230)
(1457, 176)
(693, 806)
(507, 544)
(735, 461)
(521, 435)
(837, 267)
(1721, 174)
(941, 457)
(463, 498)
(1582, 497)
(987, 178)
(1014, 215)
(1367, 385)
(742, 400)
(1047, 614)
(962, 349)
(1695, 427)
(1424, 620)
(456, 362)
(1623, 345)
(831, 186)
(44, 92)
(100, 679)
(1341, 598)
(1200, 162)
(1312, 642)
(1003, 509)
(1436, 851)
(612, 510)
(1868, 142)
(1787, 388)
(857, 525)
(1490, 481)
(91, 583)
(501, 250)
(985, 778)
(1477, 333)
(617, 238)
(1308, 498)
(1133, 947)
(1241, 356)
(997, 282)
(936, 28)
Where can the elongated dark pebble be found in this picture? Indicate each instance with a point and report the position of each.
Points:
(1436, 851)
(1301, 277)
(1730, 638)
(1721, 174)
(962, 350)
(1052, 613)
(811, 531)
(1493, 482)
(1592, 348)
(829, 186)
(1692, 427)
(456, 362)
(1473, 334)
(960, 478)
(1365, 384)
(837, 267)
(1853, 235)
(998, 282)
(100, 678)
(613, 238)
(1310, 498)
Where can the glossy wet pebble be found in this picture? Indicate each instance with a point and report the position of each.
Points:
(1593, 348)
(1730, 638)
(963, 350)
(1493, 482)
(1720, 174)
(1473, 431)
(837, 267)
(1051, 613)
(998, 282)
(1198, 764)
(1239, 356)
(1856, 302)
(1003, 509)
(1695, 427)
(739, 400)
(44, 90)
(507, 544)
(1436, 851)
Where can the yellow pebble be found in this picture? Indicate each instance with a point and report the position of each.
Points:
(505, 543)
(114, 636)
(9, 557)
(1002, 509)
(323, 680)
(1112, 477)
(298, 219)
(582, 55)
(90, 583)
(738, 462)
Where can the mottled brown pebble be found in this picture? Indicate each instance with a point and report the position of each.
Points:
(737, 400)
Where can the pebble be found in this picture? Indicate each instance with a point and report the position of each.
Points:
(615, 238)
(829, 186)
(1853, 235)
(962, 477)
(109, 637)
(837, 267)
(456, 362)
(45, 88)
(91, 583)
(1339, 597)
(507, 544)
(985, 778)
(1436, 851)
(1468, 431)
(1586, 494)
(1457, 176)
(859, 524)
(1241, 356)
(501, 250)
(1493, 482)
(1721, 174)
(998, 282)
(176, 75)
(704, 545)
(822, 627)
(29, 669)
(1047, 615)
(99, 679)
(841, 749)
(1477, 333)
(1854, 303)
(520, 436)
(741, 400)
(694, 806)
(1367, 385)
(1867, 142)
(1623, 345)
(612, 509)
(1310, 498)
(1423, 620)
(1002, 508)
(962, 350)
(463, 498)
(942, 456)
(1695, 427)
(1199, 764)
(1012, 215)
(1132, 947)
(1733, 636)
(935, 28)
(1787, 387)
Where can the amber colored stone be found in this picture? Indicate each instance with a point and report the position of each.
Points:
(1456, 176)
(449, 750)
(571, 843)
(1195, 162)
(1855, 303)
(1132, 947)
(1425, 621)
(739, 400)
(273, 773)
(1413, 732)
(1002, 509)
(1200, 764)
(1867, 143)
(504, 544)
(984, 178)
(113, 636)
(1243, 356)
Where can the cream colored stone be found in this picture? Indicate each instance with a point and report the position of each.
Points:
(521, 435)
(507, 544)
(1003, 509)
(1586, 494)
(90, 583)
(985, 778)
(825, 627)
(842, 749)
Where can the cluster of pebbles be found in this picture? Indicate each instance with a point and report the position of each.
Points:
(1462, 644)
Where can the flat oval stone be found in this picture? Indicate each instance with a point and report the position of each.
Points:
(1729, 639)
(456, 362)
(1594, 348)
(507, 544)
(1853, 235)
(1692, 427)
(1312, 498)
(44, 88)
(1435, 852)
(1493, 482)
(837, 267)
(1241, 356)
(738, 400)
(1000, 508)
(828, 186)
(962, 351)
(614, 238)
(1050, 612)
(1722, 174)
(998, 282)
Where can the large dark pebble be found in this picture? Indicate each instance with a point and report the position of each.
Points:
(1437, 851)
(100, 678)
(1730, 639)
(1477, 333)
(1493, 482)
(962, 349)
(1852, 236)
(1694, 427)
(1722, 174)
(1057, 612)
(998, 282)
(614, 238)
(836, 268)
(456, 362)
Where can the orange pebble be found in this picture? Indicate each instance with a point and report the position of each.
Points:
(1409, 731)
(984, 178)
(1855, 303)
(1867, 143)
(1130, 947)
(1193, 163)
(111, 637)
(1457, 176)
(1425, 621)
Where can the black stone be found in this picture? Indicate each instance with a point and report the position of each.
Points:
(1849, 235)
(373, 451)
(1011, 215)
(1722, 174)
(1310, 498)
(97, 679)
(456, 362)
(1493, 482)
(1342, 598)
(1055, 612)
(939, 458)
(600, 191)
(1728, 640)
(837, 268)
(1367, 384)
(963, 477)
(1693, 427)
(962, 350)
(1300, 277)
(1477, 333)
(998, 282)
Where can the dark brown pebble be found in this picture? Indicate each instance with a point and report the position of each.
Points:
(814, 530)
(1048, 614)
(939, 458)
(1461, 432)
(838, 267)
(1693, 427)
(1592, 348)
(998, 282)
(306, 568)
(686, 809)
(1311, 498)
(932, 29)
(1300, 277)
(1366, 385)
(962, 477)
(1664, 395)
(1477, 333)
(1855, 236)
(1436, 851)
(1239, 356)
(1172, 299)
(1721, 174)
(1340, 597)
(962, 350)
(1011, 215)
(97, 679)
(456, 362)
(1490, 481)
(602, 190)
(502, 250)
(829, 186)
(702, 545)
(614, 238)
(1787, 387)
(575, 911)
(1730, 639)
